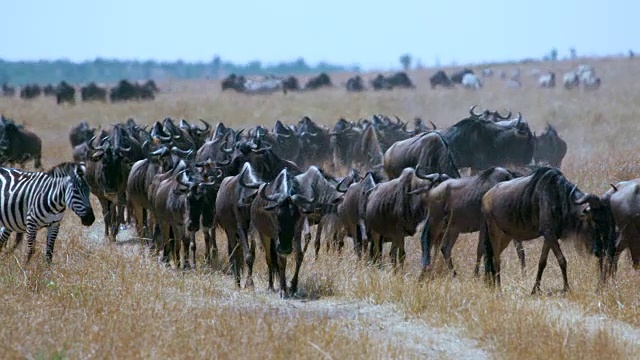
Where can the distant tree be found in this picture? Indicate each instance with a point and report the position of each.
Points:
(405, 60)
(631, 54)
(572, 53)
(554, 54)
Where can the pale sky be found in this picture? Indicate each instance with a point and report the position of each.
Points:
(370, 33)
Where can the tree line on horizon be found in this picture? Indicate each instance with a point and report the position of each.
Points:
(113, 70)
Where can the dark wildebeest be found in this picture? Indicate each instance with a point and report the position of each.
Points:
(624, 199)
(18, 145)
(401, 80)
(81, 133)
(290, 84)
(479, 144)
(177, 206)
(455, 207)
(126, 90)
(31, 91)
(549, 148)
(440, 78)
(314, 183)
(494, 116)
(457, 76)
(232, 208)
(65, 93)
(395, 208)
(322, 80)
(233, 82)
(93, 92)
(545, 204)
(380, 83)
(277, 217)
(352, 211)
(428, 150)
(355, 84)
(315, 143)
(355, 146)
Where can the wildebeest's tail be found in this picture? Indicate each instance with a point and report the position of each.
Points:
(489, 268)
(425, 244)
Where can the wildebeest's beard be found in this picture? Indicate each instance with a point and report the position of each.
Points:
(195, 202)
(602, 230)
(287, 215)
(112, 171)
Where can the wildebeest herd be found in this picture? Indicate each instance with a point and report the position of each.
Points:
(374, 180)
(65, 93)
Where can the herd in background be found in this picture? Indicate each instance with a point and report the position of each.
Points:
(582, 76)
(373, 180)
(66, 93)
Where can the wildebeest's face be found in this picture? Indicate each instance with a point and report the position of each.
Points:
(287, 215)
(113, 163)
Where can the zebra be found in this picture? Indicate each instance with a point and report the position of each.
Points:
(30, 201)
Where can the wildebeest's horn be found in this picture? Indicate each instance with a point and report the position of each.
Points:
(180, 180)
(224, 162)
(614, 187)
(178, 151)
(159, 152)
(243, 182)
(91, 147)
(261, 150)
(339, 186)
(299, 198)
(272, 197)
(504, 117)
(207, 126)
(308, 134)
(519, 118)
(163, 138)
(432, 124)
(588, 198)
(472, 113)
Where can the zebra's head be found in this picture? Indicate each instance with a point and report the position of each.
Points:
(77, 195)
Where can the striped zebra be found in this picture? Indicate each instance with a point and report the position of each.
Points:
(30, 201)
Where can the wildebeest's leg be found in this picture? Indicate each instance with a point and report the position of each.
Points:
(520, 252)
(318, 236)
(106, 214)
(364, 241)
(246, 252)
(232, 253)
(426, 243)
(480, 250)
(495, 241)
(271, 258)
(562, 261)
(52, 233)
(542, 263)
(450, 238)
(297, 247)
(377, 247)
(281, 265)
(138, 215)
(400, 252)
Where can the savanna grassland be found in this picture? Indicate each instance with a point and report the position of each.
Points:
(103, 300)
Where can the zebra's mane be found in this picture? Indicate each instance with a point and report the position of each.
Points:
(63, 169)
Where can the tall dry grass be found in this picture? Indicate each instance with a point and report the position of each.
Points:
(100, 300)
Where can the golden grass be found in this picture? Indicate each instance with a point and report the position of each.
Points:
(100, 300)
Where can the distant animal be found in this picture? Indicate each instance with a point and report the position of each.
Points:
(549, 148)
(440, 78)
(65, 93)
(547, 80)
(457, 76)
(93, 92)
(126, 91)
(545, 204)
(471, 81)
(355, 84)
(8, 91)
(31, 91)
(18, 145)
(322, 80)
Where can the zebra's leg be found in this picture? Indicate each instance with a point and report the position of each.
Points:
(19, 237)
(52, 234)
(32, 231)
(4, 237)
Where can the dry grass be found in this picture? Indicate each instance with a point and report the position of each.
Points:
(100, 300)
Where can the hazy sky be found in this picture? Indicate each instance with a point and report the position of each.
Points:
(370, 33)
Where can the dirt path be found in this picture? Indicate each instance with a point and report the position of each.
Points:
(384, 322)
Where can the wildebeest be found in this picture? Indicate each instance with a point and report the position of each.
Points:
(399, 79)
(30, 91)
(624, 199)
(549, 148)
(545, 204)
(232, 208)
(49, 90)
(394, 210)
(278, 220)
(355, 84)
(471, 81)
(316, 82)
(351, 211)
(380, 83)
(81, 133)
(93, 92)
(440, 78)
(65, 93)
(547, 80)
(315, 143)
(479, 144)
(428, 150)
(457, 76)
(454, 207)
(126, 90)
(233, 82)
(18, 145)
